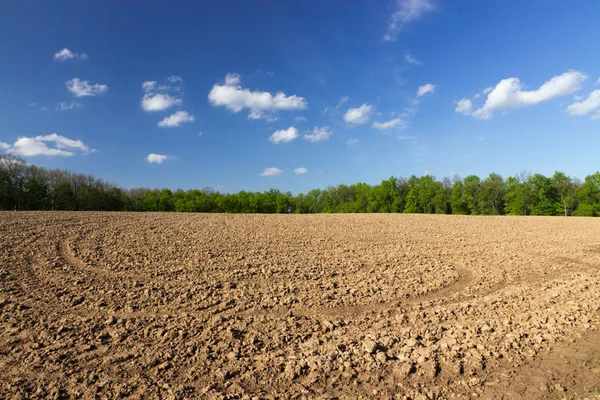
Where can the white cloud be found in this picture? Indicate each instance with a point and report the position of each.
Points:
(300, 171)
(598, 81)
(352, 141)
(68, 105)
(464, 106)
(180, 117)
(509, 93)
(300, 119)
(159, 102)
(407, 11)
(427, 88)
(271, 172)
(487, 89)
(343, 99)
(319, 134)
(231, 95)
(393, 123)
(153, 158)
(4, 146)
(66, 54)
(161, 97)
(261, 115)
(38, 146)
(82, 88)
(284, 135)
(586, 106)
(149, 86)
(359, 115)
(411, 60)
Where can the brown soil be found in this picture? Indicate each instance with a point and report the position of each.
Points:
(105, 305)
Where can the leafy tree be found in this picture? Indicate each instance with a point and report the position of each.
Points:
(491, 195)
(566, 191)
(545, 195)
(458, 203)
(588, 196)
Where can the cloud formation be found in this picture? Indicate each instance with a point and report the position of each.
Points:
(161, 97)
(319, 134)
(407, 11)
(47, 145)
(464, 106)
(180, 117)
(66, 54)
(300, 171)
(587, 106)
(67, 105)
(83, 88)
(153, 158)
(427, 88)
(272, 171)
(509, 93)
(284, 135)
(393, 123)
(411, 60)
(343, 100)
(359, 115)
(261, 105)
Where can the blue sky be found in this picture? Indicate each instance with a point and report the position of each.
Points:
(298, 95)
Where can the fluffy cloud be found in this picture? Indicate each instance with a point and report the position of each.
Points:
(509, 93)
(47, 145)
(159, 102)
(153, 158)
(427, 88)
(4, 146)
(411, 60)
(464, 106)
(161, 97)
(393, 123)
(300, 171)
(359, 115)
(68, 105)
(591, 104)
(66, 54)
(82, 88)
(406, 12)
(271, 172)
(180, 117)
(231, 95)
(319, 134)
(284, 135)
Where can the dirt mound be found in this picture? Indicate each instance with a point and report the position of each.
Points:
(325, 306)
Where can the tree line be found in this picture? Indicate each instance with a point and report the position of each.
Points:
(29, 187)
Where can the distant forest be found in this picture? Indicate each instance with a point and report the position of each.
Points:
(29, 187)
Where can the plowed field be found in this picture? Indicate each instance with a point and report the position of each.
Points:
(105, 305)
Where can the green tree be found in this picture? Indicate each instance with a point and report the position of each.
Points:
(588, 196)
(566, 191)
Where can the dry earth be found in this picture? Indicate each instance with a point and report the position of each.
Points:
(105, 305)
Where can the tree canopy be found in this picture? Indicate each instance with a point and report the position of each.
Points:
(28, 187)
